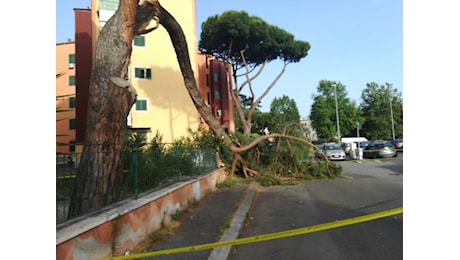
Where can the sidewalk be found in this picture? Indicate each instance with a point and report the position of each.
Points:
(219, 216)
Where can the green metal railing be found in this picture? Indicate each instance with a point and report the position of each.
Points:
(144, 170)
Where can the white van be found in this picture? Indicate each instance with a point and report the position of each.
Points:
(353, 139)
(350, 146)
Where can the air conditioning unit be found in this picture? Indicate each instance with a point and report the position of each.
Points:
(71, 65)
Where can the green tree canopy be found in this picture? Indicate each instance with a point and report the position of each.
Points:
(283, 113)
(244, 42)
(323, 112)
(225, 35)
(377, 110)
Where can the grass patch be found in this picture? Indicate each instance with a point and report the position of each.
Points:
(291, 182)
(175, 215)
(268, 180)
(225, 227)
(229, 182)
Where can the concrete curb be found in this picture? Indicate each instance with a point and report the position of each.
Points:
(231, 233)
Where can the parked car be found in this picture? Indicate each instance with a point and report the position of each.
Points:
(380, 149)
(398, 143)
(364, 144)
(333, 151)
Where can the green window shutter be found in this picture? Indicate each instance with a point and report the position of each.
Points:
(72, 80)
(71, 58)
(139, 40)
(141, 105)
(148, 74)
(72, 124)
(142, 73)
(71, 102)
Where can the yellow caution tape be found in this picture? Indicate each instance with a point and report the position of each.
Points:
(66, 177)
(270, 236)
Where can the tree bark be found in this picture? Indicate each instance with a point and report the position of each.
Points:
(99, 178)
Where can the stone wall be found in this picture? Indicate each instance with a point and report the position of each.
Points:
(119, 228)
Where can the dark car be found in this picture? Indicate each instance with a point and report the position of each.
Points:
(381, 149)
(398, 143)
(363, 144)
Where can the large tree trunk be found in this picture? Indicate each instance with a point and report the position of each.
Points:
(99, 178)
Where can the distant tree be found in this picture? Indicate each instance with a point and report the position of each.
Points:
(248, 42)
(323, 112)
(246, 102)
(259, 119)
(376, 108)
(284, 113)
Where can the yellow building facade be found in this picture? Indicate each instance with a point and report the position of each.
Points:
(163, 103)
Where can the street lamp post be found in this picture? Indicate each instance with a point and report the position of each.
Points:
(391, 111)
(337, 113)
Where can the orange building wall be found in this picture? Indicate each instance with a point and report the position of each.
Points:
(203, 81)
(84, 52)
(215, 90)
(63, 133)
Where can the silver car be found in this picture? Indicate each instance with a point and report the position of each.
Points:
(380, 149)
(334, 151)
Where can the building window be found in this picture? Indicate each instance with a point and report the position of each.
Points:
(72, 80)
(207, 62)
(216, 77)
(207, 80)
(72, 102)
(72, 146)
(139, 41)
(142, 73)
(209, 98)
(71, 61)
(141, 105)
(72, 124)
(216, 95)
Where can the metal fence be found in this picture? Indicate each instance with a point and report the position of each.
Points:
(144, 170)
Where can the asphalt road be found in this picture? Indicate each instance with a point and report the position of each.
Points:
(368, 187)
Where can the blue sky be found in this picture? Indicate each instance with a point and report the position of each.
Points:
(354, 42)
